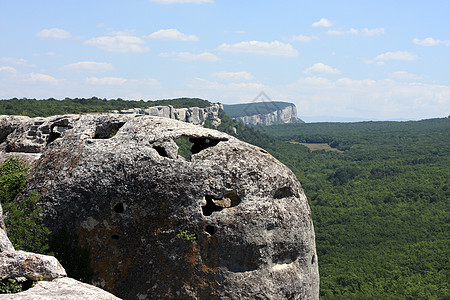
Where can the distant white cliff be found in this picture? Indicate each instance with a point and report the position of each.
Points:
(262, 113)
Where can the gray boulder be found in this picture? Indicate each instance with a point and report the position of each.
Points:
(29, 265)
(231, 222)
(61, 289)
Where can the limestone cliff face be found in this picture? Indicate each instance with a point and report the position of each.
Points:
(230, 223)
(194, 115)
(285, 115)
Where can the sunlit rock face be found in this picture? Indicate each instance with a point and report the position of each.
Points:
(230, 222)
(279, 116)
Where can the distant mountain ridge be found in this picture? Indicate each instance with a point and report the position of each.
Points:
(263, 113)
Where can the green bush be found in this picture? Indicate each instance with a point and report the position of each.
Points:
(23, 219)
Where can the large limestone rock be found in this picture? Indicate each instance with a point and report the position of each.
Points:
(231, 222)
(61, 289)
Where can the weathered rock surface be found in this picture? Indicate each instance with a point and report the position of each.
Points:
(61, 289)
(5, 243)
(263, 113)
(119, 185)
(286, 115)
(194, 115)
(29, 265)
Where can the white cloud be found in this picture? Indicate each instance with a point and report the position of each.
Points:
(14, 61)
(213, 85)
(320, 68)
(230, 92)
(9, 70)
(303, 38)
(118, 81)
(119, 43)
(89, 66)
(367, 98)
(429, 41)
(274, 48)
(37, 77)
(398, 55)
(182, 1)
(105, 80)
(403, 75)
(188, 56)
(53, 33)
(353, 31)
(233, 76)
(373, 32)
(322, 23)
(172, 34)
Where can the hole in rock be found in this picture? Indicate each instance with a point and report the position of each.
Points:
(193, 145)
(3, 137)
(57, 128)
(202, 144)
(161, 151)
(287, 252)
(210, 229)
(283, 192)
(184, 147)
(115, 237)
(233, 197)
(210, 207)
(53, 136)
(108, 130)
(211, 204)
(119, 208)
(313, 259)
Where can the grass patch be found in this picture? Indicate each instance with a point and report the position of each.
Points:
(318, 146)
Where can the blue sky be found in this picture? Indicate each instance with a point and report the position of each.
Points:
(369, 60)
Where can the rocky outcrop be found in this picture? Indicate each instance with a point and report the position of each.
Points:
(29, 265)
(285, 115)
(194, 115)
(61, 289)
(231, 222)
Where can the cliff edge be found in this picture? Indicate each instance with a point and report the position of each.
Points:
(263, 113)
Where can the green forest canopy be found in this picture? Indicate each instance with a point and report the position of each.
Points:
(381, 208)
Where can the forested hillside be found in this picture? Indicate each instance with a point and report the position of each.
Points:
(49, 107)
(380, 208)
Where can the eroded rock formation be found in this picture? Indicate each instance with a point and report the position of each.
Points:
(286, 115)
(231, 222)
(194, 115)
(263, 113)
